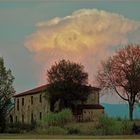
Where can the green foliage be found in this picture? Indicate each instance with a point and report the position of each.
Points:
(111, 126)
(6, 91)
(72, 131)
(20, 127)
(127, 127)
(67, 71)
(83, 128)
(108, 126)
(136, 129)
(67, 83)
(55, 130)
(58, 119)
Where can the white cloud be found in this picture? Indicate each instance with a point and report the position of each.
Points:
(85, 36)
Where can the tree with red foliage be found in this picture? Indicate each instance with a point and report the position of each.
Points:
(121, 73)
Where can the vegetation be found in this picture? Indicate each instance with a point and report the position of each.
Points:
(121, 73)
(67, 84)
(58, 119)
(104, 126)
(111, 126)
(6, 91)
(56, 130)
(20, 127)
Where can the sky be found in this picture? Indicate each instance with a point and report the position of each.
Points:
(34, 34)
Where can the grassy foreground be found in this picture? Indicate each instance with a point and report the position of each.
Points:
(33, 136)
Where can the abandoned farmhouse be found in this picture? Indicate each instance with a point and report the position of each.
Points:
(33, 105)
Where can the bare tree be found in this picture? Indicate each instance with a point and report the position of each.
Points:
(121, 73)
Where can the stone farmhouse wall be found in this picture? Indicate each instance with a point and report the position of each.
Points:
(35, 106)
(92, 114)
(30, 108)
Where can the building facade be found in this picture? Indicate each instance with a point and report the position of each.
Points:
(33, 105)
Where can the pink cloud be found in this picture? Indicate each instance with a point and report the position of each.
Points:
(85, 36)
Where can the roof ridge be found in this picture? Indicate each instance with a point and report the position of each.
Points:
(31, 91)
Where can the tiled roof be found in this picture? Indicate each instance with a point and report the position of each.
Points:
(40, 89)
(90, 106)
(32, 91)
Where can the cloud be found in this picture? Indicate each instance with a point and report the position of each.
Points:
(86, 36)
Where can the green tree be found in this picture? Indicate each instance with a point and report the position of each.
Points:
(6, 91)
(67, 84)
(121, 73)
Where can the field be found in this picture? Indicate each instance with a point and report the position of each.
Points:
(31, 136)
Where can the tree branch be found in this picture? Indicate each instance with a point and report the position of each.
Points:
(120, 94)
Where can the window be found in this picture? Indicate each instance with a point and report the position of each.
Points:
(16, 118)
(32, 117)
(22, 118)
(17, 104)
(31, 99)
(11, 119)
(40, 115)
(40, 98)
(22, 101)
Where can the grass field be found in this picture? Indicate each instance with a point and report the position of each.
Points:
(31, 136)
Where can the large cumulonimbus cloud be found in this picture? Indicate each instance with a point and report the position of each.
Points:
(86, 36)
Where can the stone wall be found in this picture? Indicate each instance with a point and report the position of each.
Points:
(90, 115)
(93, 98)
(31, 108)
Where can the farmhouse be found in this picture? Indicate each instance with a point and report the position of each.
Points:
(33, 105)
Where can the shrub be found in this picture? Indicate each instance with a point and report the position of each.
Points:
(58, 119)
(39, 130)
(54, 130)
(81, 128)
(73, 131)
(127, 127)
(136, 129)
(19, 127)
(108, 126)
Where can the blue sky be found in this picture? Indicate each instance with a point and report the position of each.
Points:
(18, 20)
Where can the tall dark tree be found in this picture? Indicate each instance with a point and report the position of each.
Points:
(6, 91)
(67, 83)
(121, 73)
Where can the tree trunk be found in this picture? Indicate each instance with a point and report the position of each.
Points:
(131, 109)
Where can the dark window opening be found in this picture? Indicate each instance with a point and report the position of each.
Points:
(31, 99)
(22, 101)
(17, 104)
(11, 119)
(40, 99)
(32, 118)
(22, 118)
(16, 118)
(40, 115)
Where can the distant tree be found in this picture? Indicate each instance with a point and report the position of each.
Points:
(6, 90)
(67, 84)
(121, 73)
